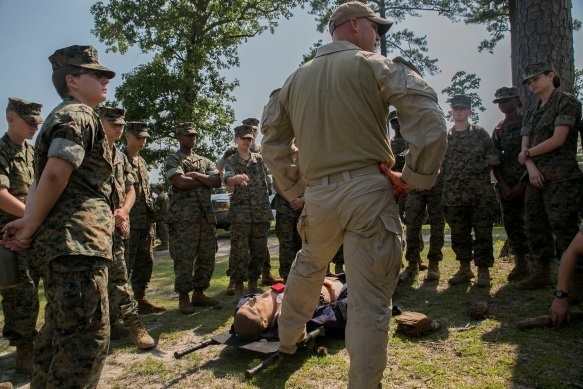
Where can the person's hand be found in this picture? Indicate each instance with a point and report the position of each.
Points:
(516, 191)
(521, 158)
(121, 216)
(17, 235)
(123, 229)
(535, 177)
(560, 311)
(240, 179)
(297, 204)
(505, 190)
(395, 177)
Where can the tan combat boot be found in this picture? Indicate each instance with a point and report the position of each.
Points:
(231, 288)
(239, 292)
(140, 337)
(146, 306)
(483, 277)
(520, 268)
(118, 331)
(540, 279)
(200, 300)
(268, 279)
(162, 246)
(253, 288)
(184, 305)
(6, 385)
(410, 272)
(24, 358)
(433, 273)
(464, 274)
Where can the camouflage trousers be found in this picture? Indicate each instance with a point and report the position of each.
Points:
(139, 258)
(552, 210)
(70, 349)
(290, 241)
(248, 250)
(266, 265)
(20, 305)
(418, 203)
(122, 304)
(162, 231)
(462, 219)
(514, 224)
(193, 248)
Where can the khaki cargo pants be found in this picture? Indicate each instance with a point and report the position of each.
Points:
(359, 211)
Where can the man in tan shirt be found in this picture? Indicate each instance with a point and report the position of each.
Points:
(336, 108)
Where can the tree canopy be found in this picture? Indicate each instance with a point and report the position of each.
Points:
(191, 42)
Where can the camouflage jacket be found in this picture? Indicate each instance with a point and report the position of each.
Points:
(399, 148)
(249, 204)
(140, 217)
(232, 150)
(81, 221)
(16, 171)
(465, 167)
(539, 124)
(283, 207)
(122, 177)
(162, 204)
(507, 140)
(189, 205)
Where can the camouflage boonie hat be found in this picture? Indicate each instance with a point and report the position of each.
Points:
(461, 101)
(534, 69)
(393, 116)
(81, 56)
(185, 129)
(356, 9)
(113, 115)
(505, 93)
(138, 129)
(29, 112)
(244, 131)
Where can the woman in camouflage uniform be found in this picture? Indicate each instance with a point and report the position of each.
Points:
(549, 148)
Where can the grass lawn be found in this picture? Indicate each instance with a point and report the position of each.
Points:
(464, 353)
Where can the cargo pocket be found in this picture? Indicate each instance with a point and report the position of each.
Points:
(303, 226)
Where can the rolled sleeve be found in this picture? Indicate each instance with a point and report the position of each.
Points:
(419, 181)
(68, 150)
(565, 120)
(4, 182)
(174, 171)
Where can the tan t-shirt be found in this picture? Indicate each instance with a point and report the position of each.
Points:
(336, 108)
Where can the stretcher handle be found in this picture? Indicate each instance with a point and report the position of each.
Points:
(188, 350)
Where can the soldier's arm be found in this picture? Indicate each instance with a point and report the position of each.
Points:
(10, 204)
(121, 214)
(212, 181)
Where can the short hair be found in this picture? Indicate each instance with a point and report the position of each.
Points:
(60, 79)
(246, 327)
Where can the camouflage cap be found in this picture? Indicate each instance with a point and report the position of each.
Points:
(534, 69)
(356, 9)
(81, 56)
(112, 115)
(461, 101)
(185, 129)
(29, 112)
(251, 121)
(244, 131)
(393, 116)
(505, 93)
(138, 129)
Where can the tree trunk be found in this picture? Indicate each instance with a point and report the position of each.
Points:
(544, 34)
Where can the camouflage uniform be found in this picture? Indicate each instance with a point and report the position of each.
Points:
(192, 224)
(555, 208)
(290, 242)
(122, 305)
(162, 204)
(420, 202)
(139, 254)
(19, 304)
(507, 140)
(468, 197)
(250, 216)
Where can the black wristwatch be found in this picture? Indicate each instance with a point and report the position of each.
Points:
(560, 294)
(526, 153)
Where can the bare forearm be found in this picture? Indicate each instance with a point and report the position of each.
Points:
(130, 198)
(568, 262)
(205, 179)
(553, 143)
(11, 204)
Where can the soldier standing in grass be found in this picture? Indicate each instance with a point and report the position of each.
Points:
(139, 254)
(122, 306)
(161, 205)
(507, 138)
(549, 152)
(468, 196)
(249, 214)
(19, 304)
(191, 220)
(69, 221)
